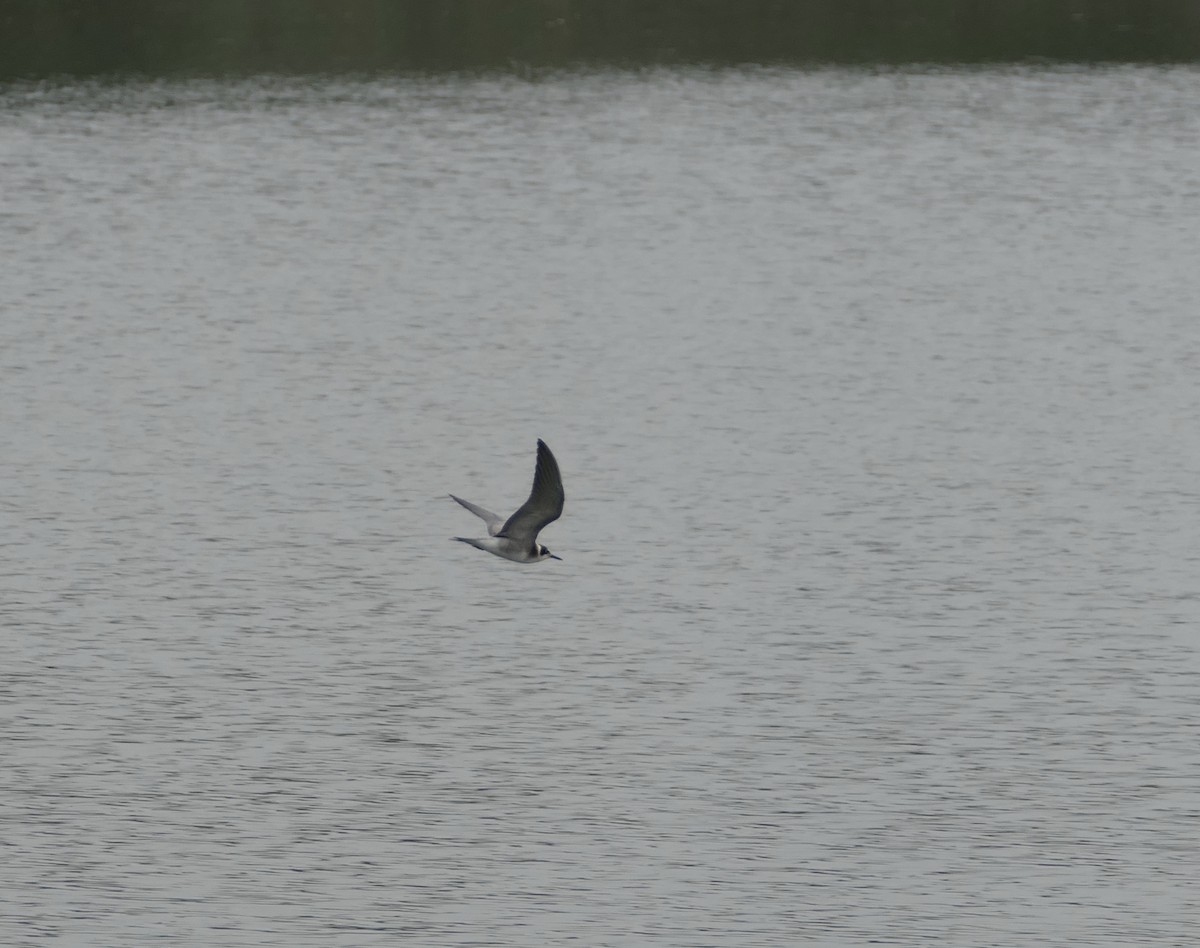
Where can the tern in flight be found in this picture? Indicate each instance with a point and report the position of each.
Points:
(516, 538)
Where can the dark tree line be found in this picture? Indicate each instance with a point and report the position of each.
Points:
(41, 38)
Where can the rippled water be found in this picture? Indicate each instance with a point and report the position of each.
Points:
(875, 396)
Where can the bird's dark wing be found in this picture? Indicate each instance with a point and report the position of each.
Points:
(545, 503)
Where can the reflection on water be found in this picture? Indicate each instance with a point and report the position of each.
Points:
(875, 401)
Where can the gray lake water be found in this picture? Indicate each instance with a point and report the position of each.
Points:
(876, 396)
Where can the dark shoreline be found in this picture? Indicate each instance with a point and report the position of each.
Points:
(77, 38)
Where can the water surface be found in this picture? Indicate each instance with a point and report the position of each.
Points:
(875, 398)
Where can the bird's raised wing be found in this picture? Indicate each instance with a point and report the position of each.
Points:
(545, 503)
(494, 523)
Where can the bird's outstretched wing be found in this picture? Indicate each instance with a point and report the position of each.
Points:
(494, 523)
(545, 503)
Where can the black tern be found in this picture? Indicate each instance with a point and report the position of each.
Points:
(516, 538)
